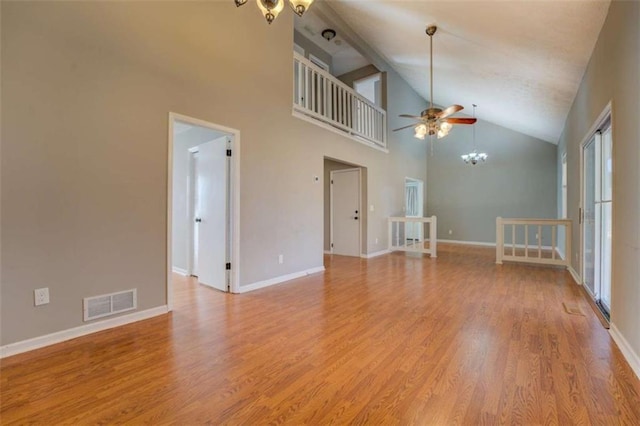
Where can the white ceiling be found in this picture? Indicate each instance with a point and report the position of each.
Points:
(521, 61)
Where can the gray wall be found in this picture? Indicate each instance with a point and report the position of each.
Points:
(518, 180)
(613, 75)
(181, 222)
(312, 48)
(86, 92)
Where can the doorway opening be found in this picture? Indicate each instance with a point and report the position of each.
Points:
(597, 214)
(344, 213)
(414, 207)
(203, 203)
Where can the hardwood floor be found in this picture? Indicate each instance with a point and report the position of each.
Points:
(397, 339)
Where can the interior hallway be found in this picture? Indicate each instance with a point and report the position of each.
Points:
(394, 339)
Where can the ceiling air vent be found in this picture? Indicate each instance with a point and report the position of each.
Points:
(109, 304)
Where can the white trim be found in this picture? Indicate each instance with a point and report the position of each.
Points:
(575, 275)
(328, 252)
(326, 126)
(235, 199)
(318, 62)
(83, 330)
(468, 243)
(179, 271)
(280, 279)
(627, 351)
(374, 254)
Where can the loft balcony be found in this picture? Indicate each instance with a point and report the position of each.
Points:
(322, 99)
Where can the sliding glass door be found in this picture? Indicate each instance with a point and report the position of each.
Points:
(597, 216)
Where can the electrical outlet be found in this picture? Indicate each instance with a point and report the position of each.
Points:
(371, 208)
(450, 231)
(536, 236)
(281, 259)
(41, 296)
(376, 241)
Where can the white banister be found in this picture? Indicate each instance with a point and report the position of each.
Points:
(408, 234)
(547, 229)
(320, 95)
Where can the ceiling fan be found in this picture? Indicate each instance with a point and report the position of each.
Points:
(435, 121)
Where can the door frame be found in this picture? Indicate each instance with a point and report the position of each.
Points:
(331, 173)
(602, 117)
(234, 201)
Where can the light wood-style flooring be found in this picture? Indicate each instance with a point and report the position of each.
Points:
(398, 339)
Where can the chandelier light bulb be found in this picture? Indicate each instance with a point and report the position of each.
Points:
(300, 6)
(421, 131)
(270, 8)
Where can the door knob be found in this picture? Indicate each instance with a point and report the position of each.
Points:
(198, 220)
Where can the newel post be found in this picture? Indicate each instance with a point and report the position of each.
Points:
(499, 240)
(433, 236)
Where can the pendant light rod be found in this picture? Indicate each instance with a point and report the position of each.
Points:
(431, 30)
(474, 127)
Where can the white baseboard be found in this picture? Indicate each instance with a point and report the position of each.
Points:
(627, 351)
(327, 252)
(374, 254)
(83, 330)
(179, 271)
(280, 279)
(467, 243)
(575, 275)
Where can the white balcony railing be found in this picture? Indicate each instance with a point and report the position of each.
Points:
(532, 241)
(408, 234)
(318, 94)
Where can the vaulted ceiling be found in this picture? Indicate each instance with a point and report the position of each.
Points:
(521, 61)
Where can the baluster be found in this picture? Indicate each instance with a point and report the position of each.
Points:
(539, 241)
(325, 102)
(314, 82)
(350, 109)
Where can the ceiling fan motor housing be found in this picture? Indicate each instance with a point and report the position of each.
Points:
(431, 113)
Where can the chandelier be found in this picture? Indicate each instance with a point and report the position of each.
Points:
(272, 8)
(474, 157)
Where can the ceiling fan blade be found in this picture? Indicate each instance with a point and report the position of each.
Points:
(405, 127)
(410, 116)
(454, 120)
(450, 110)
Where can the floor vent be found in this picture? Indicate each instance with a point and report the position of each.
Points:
(109, 304)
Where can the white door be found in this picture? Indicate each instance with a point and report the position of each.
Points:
(211, 213)
(193, 208)
(345, 212)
